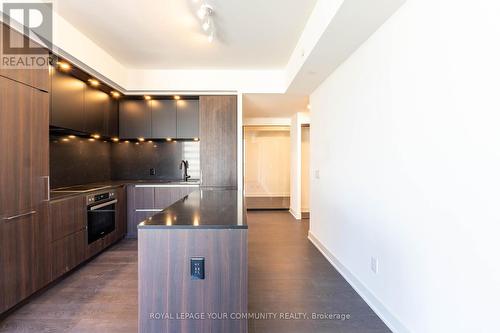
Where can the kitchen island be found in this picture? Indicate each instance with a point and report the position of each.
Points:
(193, 265)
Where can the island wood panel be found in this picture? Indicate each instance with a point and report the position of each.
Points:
(37, 78)
(218, 141)
(68, 216)
(165, 284)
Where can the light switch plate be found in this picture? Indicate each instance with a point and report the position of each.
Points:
(374, 265)
(197, 268)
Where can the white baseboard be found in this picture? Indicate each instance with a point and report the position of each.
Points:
(267, 195)
(297, 216)
(373, 302)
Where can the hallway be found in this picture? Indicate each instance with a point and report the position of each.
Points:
(286, 274)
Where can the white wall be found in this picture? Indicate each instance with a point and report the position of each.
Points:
(304, 178)
(406, 138)
(297, 121)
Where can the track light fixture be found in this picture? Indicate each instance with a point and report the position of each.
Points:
(206, 13)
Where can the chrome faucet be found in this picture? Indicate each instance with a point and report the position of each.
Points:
(185, 164)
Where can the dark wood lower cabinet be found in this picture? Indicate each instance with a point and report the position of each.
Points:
(166, 196)
(69, 231)
(121, 210)
(144, 201)
(68, 252)
(67, 216)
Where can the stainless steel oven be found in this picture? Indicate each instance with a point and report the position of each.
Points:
(101, 215)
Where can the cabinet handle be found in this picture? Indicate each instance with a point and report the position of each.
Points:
(18, 216)
(47, 187)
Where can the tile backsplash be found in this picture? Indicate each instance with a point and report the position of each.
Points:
(75, 161)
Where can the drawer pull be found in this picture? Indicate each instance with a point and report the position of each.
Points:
(18, 216)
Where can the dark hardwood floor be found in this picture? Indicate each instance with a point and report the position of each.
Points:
(286, 274)
(100, 296)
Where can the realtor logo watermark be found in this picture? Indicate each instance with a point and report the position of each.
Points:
(17, 51)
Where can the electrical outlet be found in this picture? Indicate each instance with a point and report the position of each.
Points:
(374, 265)
(316, 174)
(152, 171)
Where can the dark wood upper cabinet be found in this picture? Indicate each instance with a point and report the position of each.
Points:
(79, 107)
(97, 106)
(218, 141)
(67, 102)
(135, 119)
(36, 78)
(188, 117)
(112, 119)
(164, 117)
(24, 133)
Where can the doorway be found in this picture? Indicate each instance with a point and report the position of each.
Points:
(267, 167)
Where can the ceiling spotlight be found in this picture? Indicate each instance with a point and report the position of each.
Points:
(147, 98)
(93, 82)
(169, 139)
(64, 66)
(202, 12)
(96, 136)
(115, 94)
(206, 25)
(141, 139)
(211, 37)
(115, 139)
(176, 97)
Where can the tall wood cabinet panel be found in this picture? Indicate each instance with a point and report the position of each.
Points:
(36, 78)
(188, 118)
(24, 150)
(67, 102)
(135, 119)
(218, 141)
(164, 117)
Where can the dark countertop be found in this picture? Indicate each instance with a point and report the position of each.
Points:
(202, 209)
(55, 195)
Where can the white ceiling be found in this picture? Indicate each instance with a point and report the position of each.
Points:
(273, 105)
(166, 34)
